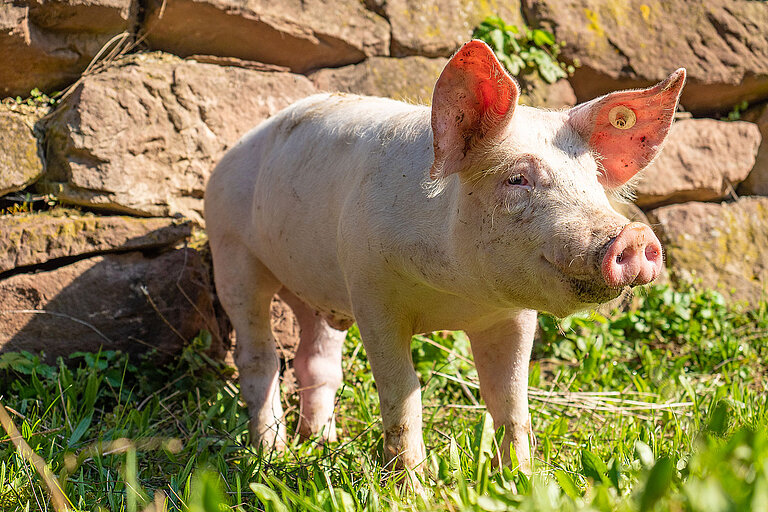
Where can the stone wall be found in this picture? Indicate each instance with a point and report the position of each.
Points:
(121, 262)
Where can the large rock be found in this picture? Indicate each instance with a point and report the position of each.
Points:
(757, 181)
(126, 302)
(20, 162)
(408, 78)
(702, 160)
(143, 136)
(436, 28)
(47, 44)
(722, 246)
(722, 43)
(300, 34)
(413, 79)
(32, 239)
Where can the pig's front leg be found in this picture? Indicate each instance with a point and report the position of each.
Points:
(387, 342)
(502, 353)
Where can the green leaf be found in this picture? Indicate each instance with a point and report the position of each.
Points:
(207, 494)
(484, 438)
(593, 467)
(517, 64)
(268, 498)
(567, 484)
(720, 420)
(614, 474)
(543, 37)
(497, 38)
(79, 430)
(453, 456)
(658, 483)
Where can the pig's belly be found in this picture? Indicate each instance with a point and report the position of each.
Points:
(327, 293)
(299, 248)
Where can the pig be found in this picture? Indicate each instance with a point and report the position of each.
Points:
(471, 215)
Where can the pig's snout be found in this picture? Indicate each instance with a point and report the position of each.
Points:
(634, 257)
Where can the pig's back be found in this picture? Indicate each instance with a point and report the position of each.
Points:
(299, 172)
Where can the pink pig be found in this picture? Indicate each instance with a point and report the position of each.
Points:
(473, 214)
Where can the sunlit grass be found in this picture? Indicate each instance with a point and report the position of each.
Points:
(663, 408)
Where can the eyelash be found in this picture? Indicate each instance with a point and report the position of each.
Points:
(517, 180)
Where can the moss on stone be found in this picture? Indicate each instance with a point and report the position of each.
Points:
(35, 238)
(719, 246)
(20, 163)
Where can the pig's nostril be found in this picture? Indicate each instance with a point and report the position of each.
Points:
(633, 257)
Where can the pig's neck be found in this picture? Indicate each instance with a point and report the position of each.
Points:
(424, 234)
(438, 245)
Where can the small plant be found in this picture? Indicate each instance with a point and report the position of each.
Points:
(524, 50)
(22, 203)
(37, 98)
(735, 114)
(36, 101)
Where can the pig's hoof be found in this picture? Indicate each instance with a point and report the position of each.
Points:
(269, 439)
(407, 480)
(321, 432)
(321, 438)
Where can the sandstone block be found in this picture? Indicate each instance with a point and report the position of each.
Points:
(722, 246)
(32, 239)
(48, 44)
(409, 78)
(757, 181)
(127, 302)
(20, 162)
(143, 136)
(721, 43)
(300, 34)
(536, 92)
(702, 160)
(436, 28)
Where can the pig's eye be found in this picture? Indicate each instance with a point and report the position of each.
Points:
(517, 180)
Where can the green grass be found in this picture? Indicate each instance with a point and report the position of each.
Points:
(663, 408)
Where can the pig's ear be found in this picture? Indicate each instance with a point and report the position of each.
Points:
(627, 128)
(473, 101)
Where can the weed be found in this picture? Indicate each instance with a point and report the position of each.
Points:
(25, 202)
(524, 50)
(36, 101)
(735, 113)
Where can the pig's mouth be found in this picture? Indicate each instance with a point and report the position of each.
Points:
(592, 290)
(588, 289)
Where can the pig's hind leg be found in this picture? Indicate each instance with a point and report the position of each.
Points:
(318, 369)
(246, 287)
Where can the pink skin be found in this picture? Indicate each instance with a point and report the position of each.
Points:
(318, 369)
(472, 98)
(633, 258)
(625, 152)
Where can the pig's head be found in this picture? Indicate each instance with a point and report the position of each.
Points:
(533, 218)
